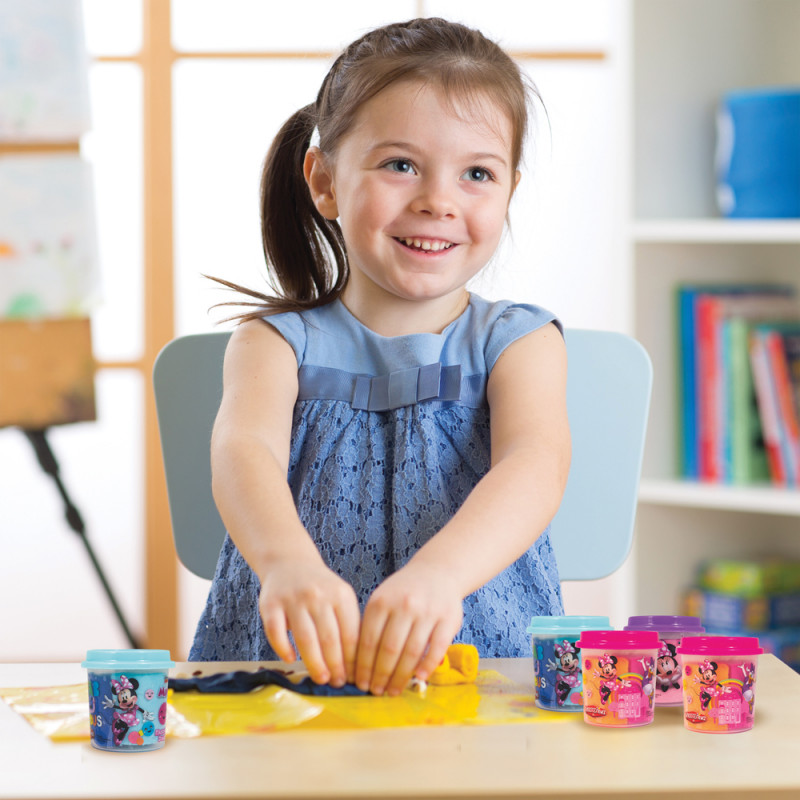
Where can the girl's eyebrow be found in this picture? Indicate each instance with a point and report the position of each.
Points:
(409, 147)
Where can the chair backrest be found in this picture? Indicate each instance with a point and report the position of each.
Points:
(608, 398)
(609, 381)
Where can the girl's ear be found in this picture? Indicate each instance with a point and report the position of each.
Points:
(319, 178)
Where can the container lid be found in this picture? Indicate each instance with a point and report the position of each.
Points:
(720, 646)
(128, 659)
(546, 626)
(665, 624)
(618, 640)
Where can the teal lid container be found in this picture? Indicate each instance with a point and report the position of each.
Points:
(558, 683)
(139, 660)
(128, 699)
(564, 626)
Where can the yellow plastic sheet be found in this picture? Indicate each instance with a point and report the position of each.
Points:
(62, 712)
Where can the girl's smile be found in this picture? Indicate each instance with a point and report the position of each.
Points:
(420, 186)
(425, 245)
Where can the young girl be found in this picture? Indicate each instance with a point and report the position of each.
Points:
(423, 429)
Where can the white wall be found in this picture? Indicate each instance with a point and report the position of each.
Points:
(564, 253)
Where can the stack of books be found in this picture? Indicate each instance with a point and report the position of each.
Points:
(739, 377)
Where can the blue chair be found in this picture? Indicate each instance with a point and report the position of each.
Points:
(608, 399)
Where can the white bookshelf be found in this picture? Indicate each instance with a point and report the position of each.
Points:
(684, 54)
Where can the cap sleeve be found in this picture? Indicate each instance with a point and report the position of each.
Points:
(291, 326)
(514, 322)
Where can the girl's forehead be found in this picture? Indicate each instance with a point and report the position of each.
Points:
(410, 100)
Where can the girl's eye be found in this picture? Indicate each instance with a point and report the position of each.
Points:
(478, 174)
(401, 165)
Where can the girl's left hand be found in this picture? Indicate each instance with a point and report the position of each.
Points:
(408, 623)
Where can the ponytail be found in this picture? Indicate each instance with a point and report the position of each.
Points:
(305, 252)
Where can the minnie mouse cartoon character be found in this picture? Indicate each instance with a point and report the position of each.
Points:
(567, 668)
(668, 671)
(126, 708)
(608, 673)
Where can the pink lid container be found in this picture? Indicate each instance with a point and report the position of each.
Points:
(719, 682)
(618, 640)
(721, 646)
(618, 670)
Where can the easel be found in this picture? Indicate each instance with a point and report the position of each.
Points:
(47, 461)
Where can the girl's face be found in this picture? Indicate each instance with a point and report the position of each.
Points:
(421, 193)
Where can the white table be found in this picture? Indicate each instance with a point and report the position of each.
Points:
(563, 760)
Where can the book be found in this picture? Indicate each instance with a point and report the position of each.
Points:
(768, 403)
(745, 455)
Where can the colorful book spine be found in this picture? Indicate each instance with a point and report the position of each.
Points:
(745, 456)
(688, 462)
(767, 404)
(787, 414)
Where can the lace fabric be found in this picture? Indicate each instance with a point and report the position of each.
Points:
(371, 489)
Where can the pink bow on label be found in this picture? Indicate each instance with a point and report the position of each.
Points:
(605, 660)
(706, 666)
(122, 683)
(564, 647)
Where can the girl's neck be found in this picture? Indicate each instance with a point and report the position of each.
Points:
(403, 317)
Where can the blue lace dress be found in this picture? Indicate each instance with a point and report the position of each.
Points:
(389, 436)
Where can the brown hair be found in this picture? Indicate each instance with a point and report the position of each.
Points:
(305, 253)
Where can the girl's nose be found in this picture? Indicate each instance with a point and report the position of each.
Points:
(435, 199)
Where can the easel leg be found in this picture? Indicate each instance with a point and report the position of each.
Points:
(47, 460)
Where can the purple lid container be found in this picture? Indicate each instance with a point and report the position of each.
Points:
(619, 640)
(665, 624)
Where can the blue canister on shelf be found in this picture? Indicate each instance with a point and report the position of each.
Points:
(558, 685)
(128, 699)
(758, 153)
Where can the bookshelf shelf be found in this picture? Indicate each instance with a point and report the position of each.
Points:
(716, 231)
(755, 499)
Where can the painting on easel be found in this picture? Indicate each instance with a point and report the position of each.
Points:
(48, 260)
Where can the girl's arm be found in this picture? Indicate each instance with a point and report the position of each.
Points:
(419, 607)
(249, 463)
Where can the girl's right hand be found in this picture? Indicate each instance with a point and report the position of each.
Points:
(321, 610)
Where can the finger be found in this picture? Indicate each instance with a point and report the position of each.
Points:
(330, 643)
(368, 642)
(440, 640)
(392, 646)
(308, 645)
(413, 652)
(276, 629)
(349, 619)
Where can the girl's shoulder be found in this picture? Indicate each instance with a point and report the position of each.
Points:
(490, 326)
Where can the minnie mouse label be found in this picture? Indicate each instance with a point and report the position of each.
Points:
(718, 694)
(128, 711)
(557, 674)
(668, 674)
(618, 688)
